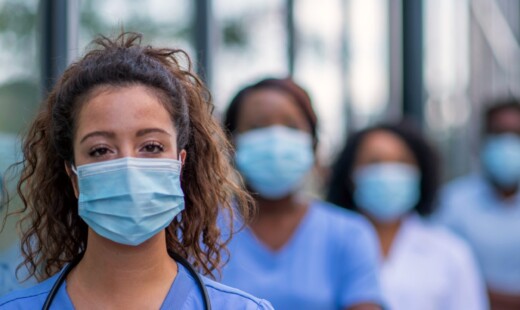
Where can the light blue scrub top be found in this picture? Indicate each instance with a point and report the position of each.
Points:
(10, 254)
(331, 262)
(472, 209)
(184, 294)
(9, 260)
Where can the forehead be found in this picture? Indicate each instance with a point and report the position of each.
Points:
(121, 106)
(269, 103)
(384, 143)
(505, 120)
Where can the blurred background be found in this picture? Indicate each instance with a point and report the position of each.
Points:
(435, 61)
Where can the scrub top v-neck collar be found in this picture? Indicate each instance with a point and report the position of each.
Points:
(177, 295)
(402, 237)
(274, 255)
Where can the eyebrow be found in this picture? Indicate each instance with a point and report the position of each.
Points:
(146, 131)
(111, 135)
(98, 134)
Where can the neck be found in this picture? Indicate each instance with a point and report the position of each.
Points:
(277, 220)
(121, 270)
(505, 193)
(280, 207)
(386, 233)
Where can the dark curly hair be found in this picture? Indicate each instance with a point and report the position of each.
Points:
(53, 233)
(341, 186)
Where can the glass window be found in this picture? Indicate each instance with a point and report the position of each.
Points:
(162, 23)
(320, 65)
(249, 44)
(19, 77)
(19, 98)
(446, 79)
(368, 68)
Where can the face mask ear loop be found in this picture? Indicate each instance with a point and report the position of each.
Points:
(73, 168)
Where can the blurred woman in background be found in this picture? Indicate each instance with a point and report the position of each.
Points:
(298, 253)
(390, 174)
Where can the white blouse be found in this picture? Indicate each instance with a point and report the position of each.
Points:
(429, 268)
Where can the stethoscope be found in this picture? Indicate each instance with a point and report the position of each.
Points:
(175, 256)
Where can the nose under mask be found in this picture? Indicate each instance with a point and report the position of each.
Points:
(129, 200)
(501, 159)
(386, 191)
(274, 160)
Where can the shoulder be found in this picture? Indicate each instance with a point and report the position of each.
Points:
(348, 232)
(442, 240)
(463, 186)
(32, 297)
(220, 295)
(460, 196)
(231, 298)
(339, 216)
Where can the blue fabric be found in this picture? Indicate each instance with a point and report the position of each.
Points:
(10, 254)
(491, 225)
(331, 262)
(184, 294)
(10, 258)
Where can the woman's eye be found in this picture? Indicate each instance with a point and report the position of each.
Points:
(153, 148)
(99, 151)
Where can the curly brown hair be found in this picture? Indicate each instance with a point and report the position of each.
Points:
(53, 234)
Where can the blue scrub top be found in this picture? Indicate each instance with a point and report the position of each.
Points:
(10, 258)
(330, 262)
(491, 225)
(184, 294)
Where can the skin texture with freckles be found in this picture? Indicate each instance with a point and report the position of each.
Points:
(115, 123)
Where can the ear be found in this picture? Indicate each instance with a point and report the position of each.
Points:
(182, 156)
(73, 178)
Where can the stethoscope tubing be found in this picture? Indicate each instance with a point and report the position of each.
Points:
(181, 260)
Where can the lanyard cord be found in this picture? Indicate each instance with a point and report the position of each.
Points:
(181, 260)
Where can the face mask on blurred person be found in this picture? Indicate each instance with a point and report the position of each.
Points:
(386, 191)
(274, 160)
(129, 200)
(501, 159)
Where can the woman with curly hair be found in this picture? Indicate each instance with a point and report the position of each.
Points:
(124, 174)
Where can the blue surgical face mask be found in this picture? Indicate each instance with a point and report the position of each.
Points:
(129, 200)
(501, 159)
(386, 191)
(274, 160)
